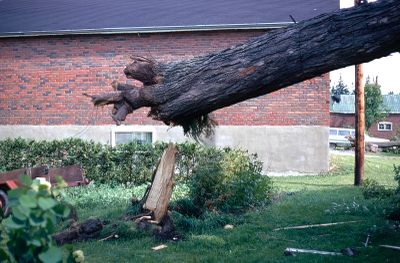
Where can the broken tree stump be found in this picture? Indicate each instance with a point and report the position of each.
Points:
(154, 210)
(161, 187)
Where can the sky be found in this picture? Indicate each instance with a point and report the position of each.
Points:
(387, 69)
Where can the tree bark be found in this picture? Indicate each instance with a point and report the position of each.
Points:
(179, 92)
(86, 230)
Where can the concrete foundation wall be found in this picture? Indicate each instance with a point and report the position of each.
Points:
(282, 149)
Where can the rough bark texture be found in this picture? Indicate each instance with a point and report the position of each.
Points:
(88, 229)
(179, 92)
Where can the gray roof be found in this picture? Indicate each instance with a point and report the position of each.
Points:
(346, 105)
(49, 17)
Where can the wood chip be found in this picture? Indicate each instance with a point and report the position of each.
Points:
(159, 247)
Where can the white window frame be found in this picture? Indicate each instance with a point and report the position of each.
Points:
(132, 128)
(384, 123)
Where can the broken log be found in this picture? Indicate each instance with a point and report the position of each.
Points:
(180, 92)
(86, 230)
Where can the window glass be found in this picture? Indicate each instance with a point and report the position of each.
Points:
(344, 132)
(332, 132)
(139, 137)
(384, 126)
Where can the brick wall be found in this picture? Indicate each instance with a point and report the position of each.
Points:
(341, 120)
(394, 119)
(42, 79)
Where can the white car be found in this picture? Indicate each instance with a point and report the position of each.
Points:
(344, 137)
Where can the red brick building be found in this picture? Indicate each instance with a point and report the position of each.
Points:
(342, 116)
(49, 61)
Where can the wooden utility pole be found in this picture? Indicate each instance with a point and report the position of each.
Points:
(360, 120)
(360, 126)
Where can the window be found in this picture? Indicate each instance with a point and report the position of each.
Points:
(384, 126)
(139, 137)
(332, 132)
(344, 132)
(127, 134)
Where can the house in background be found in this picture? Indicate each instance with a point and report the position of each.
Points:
(343, 116)
(51, 52)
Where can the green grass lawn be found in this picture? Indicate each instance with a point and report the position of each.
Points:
(300, 200)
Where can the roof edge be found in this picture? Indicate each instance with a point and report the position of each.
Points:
(137, 30)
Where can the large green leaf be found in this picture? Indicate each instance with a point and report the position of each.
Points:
(52, 255)
(12, 223)
(27, 201)
(26, 180)
(37, 221)
(67, 212)
(15, 194)
(35, 242)
(18, 213)
(46, 203)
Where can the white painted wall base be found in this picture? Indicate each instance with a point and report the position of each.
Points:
(282, 149)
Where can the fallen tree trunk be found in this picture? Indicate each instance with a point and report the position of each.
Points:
(86, 230)
(179, 92)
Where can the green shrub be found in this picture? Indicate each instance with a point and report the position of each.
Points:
(186, 207)
(229, 180)
(218, 178)
(392, 149)
(372, 189)
(27, 233)
(126, 163)
(395, 211)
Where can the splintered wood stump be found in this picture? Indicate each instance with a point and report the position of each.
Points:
(160, 192)
(154, 204)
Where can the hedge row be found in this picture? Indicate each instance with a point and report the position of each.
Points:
(126, 163)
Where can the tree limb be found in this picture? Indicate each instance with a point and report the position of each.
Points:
(180, 92)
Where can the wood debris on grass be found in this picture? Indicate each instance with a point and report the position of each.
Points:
(315, 225)
(290, 252)
(159, 247)
(391, 247)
